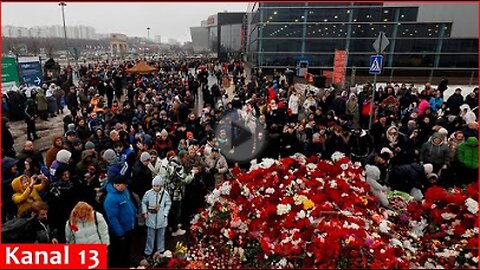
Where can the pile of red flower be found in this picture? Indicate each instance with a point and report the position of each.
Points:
(298, 212)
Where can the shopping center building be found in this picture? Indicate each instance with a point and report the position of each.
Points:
(425, 39)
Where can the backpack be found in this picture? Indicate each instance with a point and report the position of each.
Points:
(18, 230)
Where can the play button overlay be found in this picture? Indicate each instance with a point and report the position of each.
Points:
(240, 140)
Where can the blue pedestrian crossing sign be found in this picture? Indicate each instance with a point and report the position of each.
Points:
(376, 62)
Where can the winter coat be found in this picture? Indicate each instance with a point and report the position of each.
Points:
(467, 153)
(435, 154)
(51, 154)
(120, 211)
(95, 232)
(221, 165)
(436, 103)
(61, 198)
(57, 169)
(454, 102)
(82, 166)
(176, 179)
(293, 103)
(42, 104)
(405, 177)
(150, 200)
(101, 143)
(155, 167)
(352, 110)
(83, 133)
(24, 198)
(42, 232)
(423, 106)
(34, 155)
(142, 178)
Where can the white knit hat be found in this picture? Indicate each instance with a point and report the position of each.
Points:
(428, 168)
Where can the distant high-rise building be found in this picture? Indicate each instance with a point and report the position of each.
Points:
(158, 39)
(54, 31)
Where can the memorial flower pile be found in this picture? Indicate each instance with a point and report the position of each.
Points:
(310, 213)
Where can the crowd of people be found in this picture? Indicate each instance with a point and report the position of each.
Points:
(135, 153)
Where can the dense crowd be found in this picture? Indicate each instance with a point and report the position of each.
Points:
(136, 153)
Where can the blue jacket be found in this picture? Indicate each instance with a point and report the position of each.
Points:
(120, 211)
(436, 103)
(56, 171)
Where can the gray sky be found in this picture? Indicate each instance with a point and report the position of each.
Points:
(170, 20)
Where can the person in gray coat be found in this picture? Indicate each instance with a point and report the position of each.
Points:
(436, 152)
(156, 205)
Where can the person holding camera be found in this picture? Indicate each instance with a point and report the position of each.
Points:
(156, 205)
(27, 191)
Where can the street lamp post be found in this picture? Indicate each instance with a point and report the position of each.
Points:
(63, 4)
(148, 38)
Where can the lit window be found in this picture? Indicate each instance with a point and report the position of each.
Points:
(326, 28)
(359, 26)
(429, 29)
(385, 20)
(348, 10)
(402, 16)
(385, 11)
(446, 27)
(325, 20)
(314, 32)
(268, 21)
(372, 28)
(274, 13)
(341, 30)
(436, 26)
(336, 17)
(354, 20)
(406, 30)
(399, 24)
(353, 32)
(285, 26)
(334, 26)
(296, 20)
(430, 34)
(384, 26)
(303, 17)
(270, 18)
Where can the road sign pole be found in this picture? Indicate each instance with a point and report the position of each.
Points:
(372, 101)
(372, 112)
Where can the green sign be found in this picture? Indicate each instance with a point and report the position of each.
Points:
(9, 73)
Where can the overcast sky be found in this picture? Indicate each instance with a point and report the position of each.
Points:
(166, 19)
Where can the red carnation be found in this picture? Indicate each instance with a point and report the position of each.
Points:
(74, 228)
(435, 193)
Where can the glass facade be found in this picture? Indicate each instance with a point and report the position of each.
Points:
(281, 33)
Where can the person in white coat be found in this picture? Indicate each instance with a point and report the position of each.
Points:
(155, 164)
(156, 205)
(86, 226)
(293, 104)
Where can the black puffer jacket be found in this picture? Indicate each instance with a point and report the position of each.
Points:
(405, 177)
